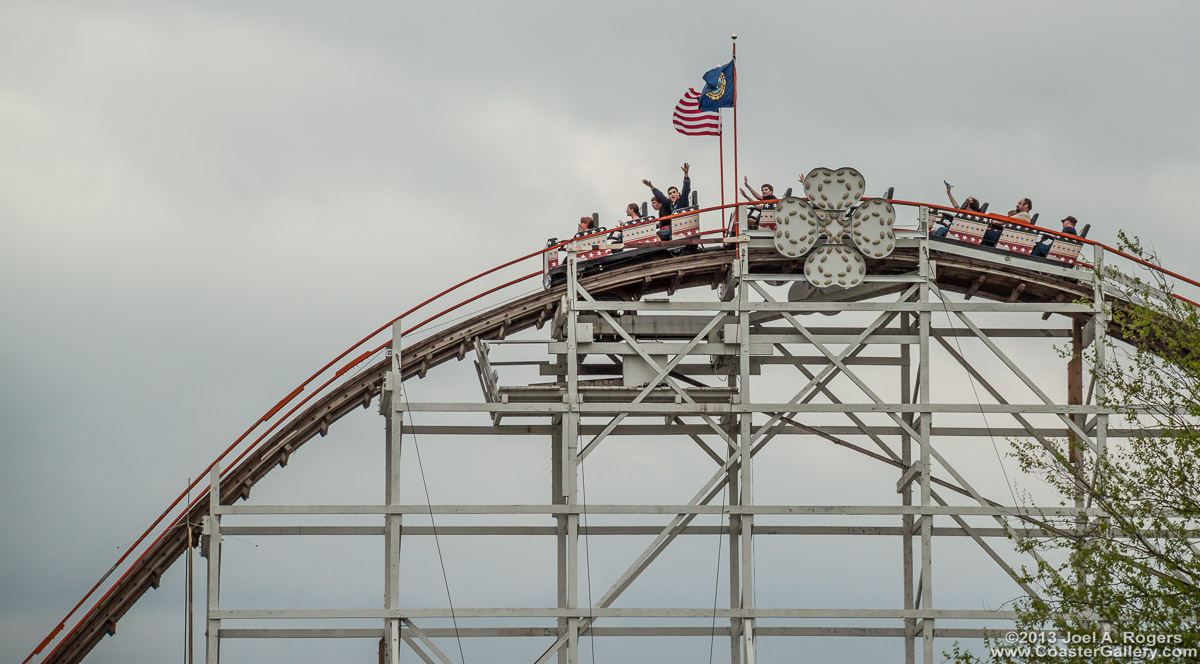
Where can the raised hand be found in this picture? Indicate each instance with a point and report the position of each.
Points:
(647, 183)
(685, 169)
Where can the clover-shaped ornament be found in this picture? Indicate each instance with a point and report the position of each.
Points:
(833, 212)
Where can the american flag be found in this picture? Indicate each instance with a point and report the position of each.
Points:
(691, 121)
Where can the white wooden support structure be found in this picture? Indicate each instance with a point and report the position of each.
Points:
(696, 367)
(391, 402)
(925, 269)
(212, 535)
(745, 427)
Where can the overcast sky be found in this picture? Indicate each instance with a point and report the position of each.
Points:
(200, 203)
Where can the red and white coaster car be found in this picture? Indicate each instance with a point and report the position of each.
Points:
(685, 226)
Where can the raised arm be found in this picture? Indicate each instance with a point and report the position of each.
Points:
(658, 195)
(746, 181)
(686, 192)
(953, 203)
(755, 198)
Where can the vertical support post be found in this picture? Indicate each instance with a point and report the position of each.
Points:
(730, 291)
(558, 497)
(927, 275)
(1100, 318)
(393, 524)
(1075, 382)
(732, 426)
(907, 520)
(570, 439)
(741, 269)
(735, 528)
(1074, 398)
(189, 649)
(212, 528)
(1075, 375)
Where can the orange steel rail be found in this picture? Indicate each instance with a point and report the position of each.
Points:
(357, 360)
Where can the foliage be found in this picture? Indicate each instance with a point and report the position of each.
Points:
(1133, 569)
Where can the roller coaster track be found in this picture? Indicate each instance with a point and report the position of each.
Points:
(957, 272)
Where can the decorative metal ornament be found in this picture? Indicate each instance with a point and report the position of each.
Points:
(820, 225)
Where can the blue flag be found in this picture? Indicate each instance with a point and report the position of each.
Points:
(718, 88)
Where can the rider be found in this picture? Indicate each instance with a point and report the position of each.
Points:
(1042, 249)
(768, 192)
(664, 207)
(1024, 206)
(971, 204)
